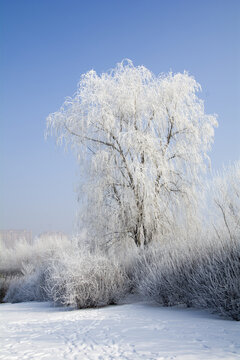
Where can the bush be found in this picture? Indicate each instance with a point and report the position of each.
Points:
(15, 259)
(203, 269)
(85, 280)
(162, 275)
(28, 287)
(215, 283)
(206, 277)
(6, 278)
(68, 276)
(23, 268)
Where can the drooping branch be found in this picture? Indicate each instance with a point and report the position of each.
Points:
(91, 139)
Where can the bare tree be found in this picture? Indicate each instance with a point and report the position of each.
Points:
(142, 141)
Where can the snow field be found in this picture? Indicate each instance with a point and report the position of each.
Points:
(124, 332)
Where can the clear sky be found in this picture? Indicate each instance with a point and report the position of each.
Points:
(47, 44)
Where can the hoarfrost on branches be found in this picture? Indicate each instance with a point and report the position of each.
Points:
(142, 141)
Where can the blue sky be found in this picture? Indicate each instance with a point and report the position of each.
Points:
(47, 44)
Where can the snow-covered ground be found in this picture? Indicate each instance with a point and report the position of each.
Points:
(130, 331)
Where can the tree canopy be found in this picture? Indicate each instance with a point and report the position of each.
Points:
(142, 141)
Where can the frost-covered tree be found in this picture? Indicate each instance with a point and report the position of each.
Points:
(143, 141)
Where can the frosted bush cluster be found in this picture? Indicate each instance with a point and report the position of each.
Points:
(68, 276)
(85, 280)
(207, 277)
(28, 287)
(202, 270)
(25, 256)
(21, 267)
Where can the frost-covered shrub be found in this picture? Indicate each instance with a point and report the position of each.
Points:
(13, 259)
(162, 274)
(66, 274)
(215, 282)
(29, 287)
(3, 288)
(23, 267)
(218, 274)
(85, 280)
(5, 280)
(206, 275)
(200, 268)
(130, 263)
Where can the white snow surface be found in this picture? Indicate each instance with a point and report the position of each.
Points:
(130, 331)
